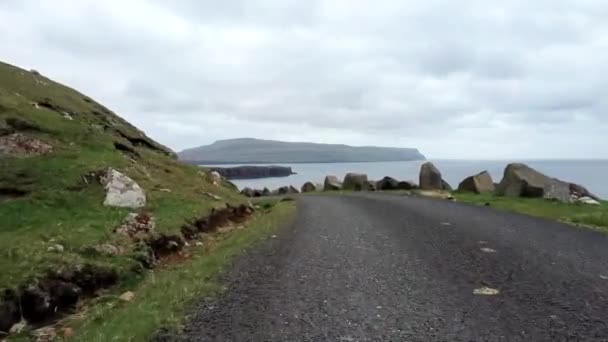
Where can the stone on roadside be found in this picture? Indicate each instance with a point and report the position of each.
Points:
(332, 184)
(355, 182)
(309, 187)
(122, 191)
(430, 177)
(387, 183)
(479, 183)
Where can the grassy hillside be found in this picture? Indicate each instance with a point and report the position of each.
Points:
(51, 138)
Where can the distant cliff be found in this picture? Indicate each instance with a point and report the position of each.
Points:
(256, 151)
(249, 172)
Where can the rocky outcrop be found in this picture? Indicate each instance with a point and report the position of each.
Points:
(370, 186)
(216, 178)
(430, 177)
(332, 184)
(122, 191)
(520, 180)
(387, 183)
(252, 172)
(137, 226)
(355, 182)
(309, 187)
(479, 183)
(21, 145)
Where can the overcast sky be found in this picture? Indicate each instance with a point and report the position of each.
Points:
(456, 79)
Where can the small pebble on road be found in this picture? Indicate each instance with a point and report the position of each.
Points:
(488, 250)
(486, 291)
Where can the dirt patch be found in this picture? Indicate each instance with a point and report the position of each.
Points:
(216, 219)
(12, 193)
(21, 145)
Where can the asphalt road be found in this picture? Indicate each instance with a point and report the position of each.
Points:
(375, 267)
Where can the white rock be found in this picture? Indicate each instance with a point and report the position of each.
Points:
(56, 248)
(216, 178)
(588, 200)
(127, 296)
(107, 249)
(486, 291)
(18, 327)
(122, 191)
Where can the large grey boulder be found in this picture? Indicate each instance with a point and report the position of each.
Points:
(555, 189)
(520, 180)
(479, 183)
(309, 187)
(122, 191)
(355, 181)
(387, 183)
(332, 184)
(430, 177)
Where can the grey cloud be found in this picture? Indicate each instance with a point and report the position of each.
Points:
(431, 74)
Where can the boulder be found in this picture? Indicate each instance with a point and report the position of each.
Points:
(216, 178)
(580, 191)
(266, 192)
(309, 187)
(355, 181)
(407, 185)
(286, 190)
(293, 190)
(430, 177)
(479, 183)
(387, 183)
(446, 186)
(332, 184)
(247, 192)
(137, 225)
(520, 180)
(122, 191)
(554, 189)
(370, 186)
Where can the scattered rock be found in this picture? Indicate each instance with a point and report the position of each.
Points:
(122, 191)
(107, 249)
(430, 177)
(580, 191)
(21, 145)
(46, 334)
(332, 184)
(247, 192)
(309, 187)
(355, 181)
(479, 183)
(17, 328)
(212, 196)
(137, 225)
(388, 183)
(407, 185)
(216, 178)
(127, 296)
(252, 172)
(370, 186)
(486, 291)
(216, 219)
(286, 190)
(57, 248)
(164, 244)
(587, 200)
(199, 244)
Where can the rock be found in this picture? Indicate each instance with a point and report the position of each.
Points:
(46, 334)
(587, 200)
(107, 249)
(22, 145)
(216, 178)
(164, 244)
(293, 190)
(122, 191)
(580, 191)
(286, 190)
(199, 244)
(355, 181)
(479, 183)
(137, 225)
(127, 296)
(212, 196)
(520, 180)
(258, 193)
(387, 183)
(332, 184)
(17, 328)
(247, 192)
(266, 192)
(430, 177)
(407, 185)
(56, 248)
(309, 187)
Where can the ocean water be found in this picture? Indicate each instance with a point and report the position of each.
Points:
(592, 174)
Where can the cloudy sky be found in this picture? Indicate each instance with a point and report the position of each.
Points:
(457, 79)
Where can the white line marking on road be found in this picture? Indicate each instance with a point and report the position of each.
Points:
(486, 291)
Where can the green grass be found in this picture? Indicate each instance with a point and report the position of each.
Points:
(165, 295)
(592, 216)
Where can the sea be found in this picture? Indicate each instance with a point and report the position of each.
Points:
(592, 174)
